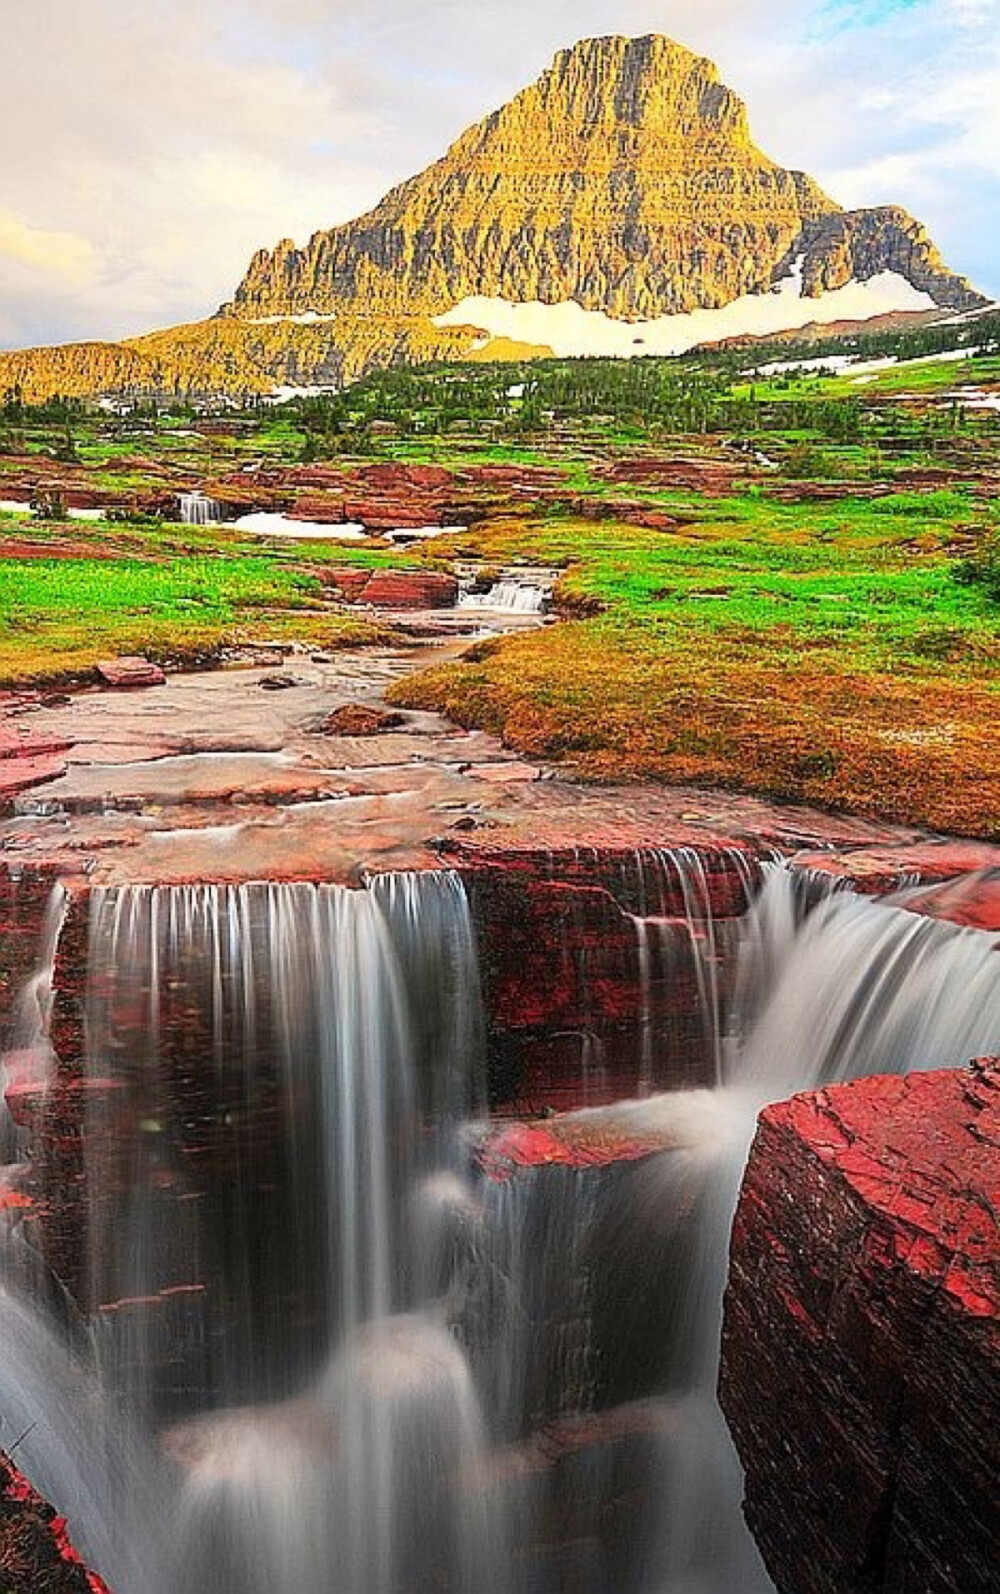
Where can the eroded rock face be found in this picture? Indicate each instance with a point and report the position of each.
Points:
(624, 179)
(35, 1550)
(861, 1345)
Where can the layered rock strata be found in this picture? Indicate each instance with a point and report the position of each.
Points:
(861, 1345)
(624, 179)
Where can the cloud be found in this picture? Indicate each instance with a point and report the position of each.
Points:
(150, 149)
(58, 254)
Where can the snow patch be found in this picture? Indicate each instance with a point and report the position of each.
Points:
(308, 318)
(263, 524)
(976, 399)
(284, 394)
(569, 330)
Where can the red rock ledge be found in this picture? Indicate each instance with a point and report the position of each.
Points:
(35, 1552)
(861, 1345)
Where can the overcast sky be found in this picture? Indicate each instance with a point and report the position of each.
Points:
(148, 147)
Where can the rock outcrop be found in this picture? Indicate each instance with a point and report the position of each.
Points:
(861, 1347)
(35, 1550)
(395, 589)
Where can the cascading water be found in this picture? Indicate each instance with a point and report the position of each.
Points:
(348, 1360)
(510, 596)
(197, 509)
(829, 986)
(271, 1075)
(29, 1049)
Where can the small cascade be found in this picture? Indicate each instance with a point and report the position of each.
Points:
(683, 938)
(197, 509)
(509, 596)
(855, 986)
(75, 1446)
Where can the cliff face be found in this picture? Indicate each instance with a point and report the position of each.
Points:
(625, 179)
(861, 1343)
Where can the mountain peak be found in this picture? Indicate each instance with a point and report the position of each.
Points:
(624, 179)
(649, 82)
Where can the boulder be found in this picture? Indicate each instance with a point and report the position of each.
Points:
(361, 719)
(396, 589)
(861, 1345)
(129, 672)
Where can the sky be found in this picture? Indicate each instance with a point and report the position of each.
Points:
(148, 147)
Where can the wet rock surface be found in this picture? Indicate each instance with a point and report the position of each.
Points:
(861, 1345)
(36, 1555)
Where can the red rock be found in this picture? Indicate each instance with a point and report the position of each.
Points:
(875, 871)
(861, 1346)
(972, 901)
(350, 584)
(361, 719)
(130, 672)
(396, 589)
(19, 775)
(562, 1142)
(35, 1548)
(323, 508)
(507, 772)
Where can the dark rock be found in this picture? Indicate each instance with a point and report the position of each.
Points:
(861, 1347)
(36, 1556)
(280, 683)
(361, 719)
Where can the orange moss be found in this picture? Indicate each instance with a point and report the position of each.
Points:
(705, 709)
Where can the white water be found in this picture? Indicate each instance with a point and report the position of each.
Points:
(372, 1334)
(29, 1050)
(197, 509)
(509, 596)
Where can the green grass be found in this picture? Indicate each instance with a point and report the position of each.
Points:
(59, 616)
(824, 656)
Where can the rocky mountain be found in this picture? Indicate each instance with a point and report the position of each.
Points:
(622, 187)
(626, 180)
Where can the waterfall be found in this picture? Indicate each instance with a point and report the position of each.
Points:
(680, 937)
(315, 1348)
(28, 1058)
(273, 1072)
(197, 509)
(598, 1287)
(863, 987)
(510, 595)
(61, 1428)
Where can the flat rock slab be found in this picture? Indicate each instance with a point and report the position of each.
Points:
(195, 779)
(211, 778)
(879, 869)
(503, 773)
(20, 775)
